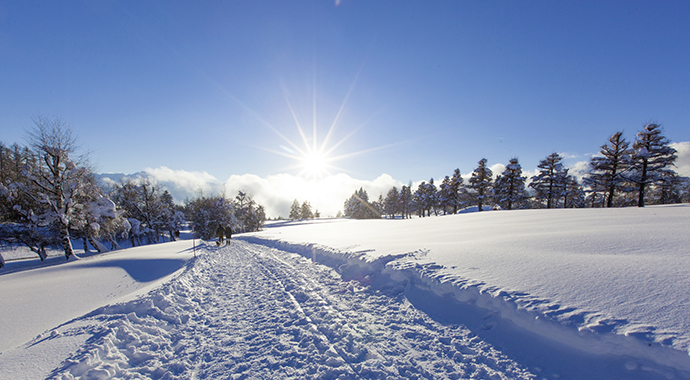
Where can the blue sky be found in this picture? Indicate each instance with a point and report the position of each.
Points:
(426, 87)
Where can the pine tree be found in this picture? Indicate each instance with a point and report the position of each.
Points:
(430, 198)
(668, 190)
(295, 211)
(406, 201)
(481, 182)
(651, 158)
(359, 207)
(607, 172)
(305, 211)
(549, 184)
(574, 195)
(456, 190)
(392, 202)
(510, 186)
(445, 195)
(418, 199)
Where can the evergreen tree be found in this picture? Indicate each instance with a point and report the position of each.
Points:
(445, 195)
(456, 191)
(250, 216)
(295, 211)
(392, 202)
(668, 190)
(549, 184)
(406, 201)
(418, 199)
(430, 198)
(510, 186)
(574, 195)
(481, 183)
(651, 158)
(359, 207)
(305, 211)
(606, 173)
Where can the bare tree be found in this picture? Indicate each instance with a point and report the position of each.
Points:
(56, 181)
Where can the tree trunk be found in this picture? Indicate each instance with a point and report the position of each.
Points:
(94, 244)
(66, 242)
(643, 183)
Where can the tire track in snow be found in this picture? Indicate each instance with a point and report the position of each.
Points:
(248, 311)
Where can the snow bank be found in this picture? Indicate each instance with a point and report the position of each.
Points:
(34, 299)
(602, 281)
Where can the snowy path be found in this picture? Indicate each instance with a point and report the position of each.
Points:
(248, 311)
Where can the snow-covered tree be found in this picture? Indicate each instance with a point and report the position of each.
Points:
(406, 201)
(250, 216)
(295, 211)
(207, 213)
(418, 199)
(13, 161)
(359, 207)
(305, 211)
(153, 209)
(481, 183)
(549, 184)
(445, 196)
(574, 195)
(98, 217)
(606, 174)
(430, 202)
(651, 159)
(457, 191)
(55, 183)
(668, 190)
(392, 202)
(509, 188)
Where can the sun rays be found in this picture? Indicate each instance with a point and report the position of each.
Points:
(315, 157)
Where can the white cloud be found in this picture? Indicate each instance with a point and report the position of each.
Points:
(579, 169)
(185, 182)
(497, 169)
(683, 161)
(276, 193)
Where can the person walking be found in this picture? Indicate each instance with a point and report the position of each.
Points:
(220, 233)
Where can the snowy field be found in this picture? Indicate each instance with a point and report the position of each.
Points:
(534, 294)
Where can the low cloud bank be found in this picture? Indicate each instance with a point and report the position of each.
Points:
(277, 192)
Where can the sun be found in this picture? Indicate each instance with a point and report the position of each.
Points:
(314, 157)
(315, 164)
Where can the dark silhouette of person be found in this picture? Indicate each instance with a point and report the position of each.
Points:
(220, 232)
(228, 233)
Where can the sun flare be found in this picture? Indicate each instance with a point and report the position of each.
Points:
(315, 164)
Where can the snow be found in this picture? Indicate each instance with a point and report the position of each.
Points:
(36, 299)
(572, 294)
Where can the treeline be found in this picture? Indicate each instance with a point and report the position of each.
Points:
(303, 211)
(50, 196)
(622, 175)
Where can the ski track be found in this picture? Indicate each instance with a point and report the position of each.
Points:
(246, 311)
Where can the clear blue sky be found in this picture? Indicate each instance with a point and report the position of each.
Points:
(436, 85)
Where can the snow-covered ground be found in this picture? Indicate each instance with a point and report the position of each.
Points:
(572, 294)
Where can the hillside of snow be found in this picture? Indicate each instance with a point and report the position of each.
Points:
(533, 294)
(602, 281)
